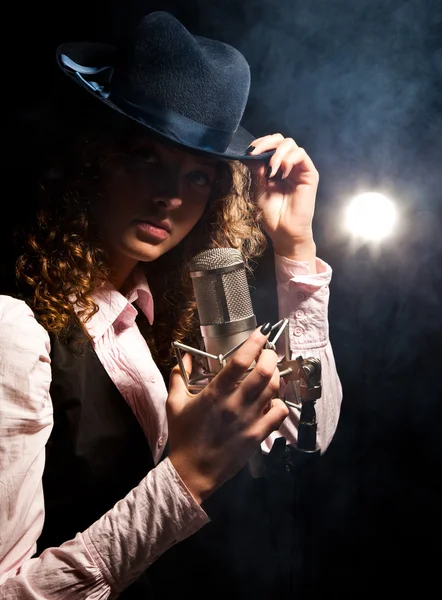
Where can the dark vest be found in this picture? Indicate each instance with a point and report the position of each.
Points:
(97, 453)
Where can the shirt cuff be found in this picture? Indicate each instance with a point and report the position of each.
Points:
(157, 514)
(303, 298)
(287, 269)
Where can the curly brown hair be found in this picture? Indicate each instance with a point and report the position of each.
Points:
(63, 262)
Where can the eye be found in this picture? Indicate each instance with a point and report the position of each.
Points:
(145, 155)
(199, 178)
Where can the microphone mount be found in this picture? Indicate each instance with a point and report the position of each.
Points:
(303, 373)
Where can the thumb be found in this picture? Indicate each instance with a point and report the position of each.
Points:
(177, 387)
(257, 168)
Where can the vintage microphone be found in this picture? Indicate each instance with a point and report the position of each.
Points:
(227, 319)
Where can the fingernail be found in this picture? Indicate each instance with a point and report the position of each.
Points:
(250, 149)
(265, 329)
(268, 172)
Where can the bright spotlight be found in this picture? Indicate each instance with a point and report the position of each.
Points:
(371, 216)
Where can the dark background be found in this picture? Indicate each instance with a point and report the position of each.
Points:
(358, 83)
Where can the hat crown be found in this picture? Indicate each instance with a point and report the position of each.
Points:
(188, 89)
(164, 65)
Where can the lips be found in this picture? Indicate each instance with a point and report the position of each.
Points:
(152, 231)
(159, 224)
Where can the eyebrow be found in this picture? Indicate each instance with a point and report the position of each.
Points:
(209, 163)
(212, 163)
(205, 161)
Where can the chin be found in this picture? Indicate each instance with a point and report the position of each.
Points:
(143, 252)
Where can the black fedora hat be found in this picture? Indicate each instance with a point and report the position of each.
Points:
(188, 89)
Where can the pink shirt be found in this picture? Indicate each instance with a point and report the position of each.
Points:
(101, 561)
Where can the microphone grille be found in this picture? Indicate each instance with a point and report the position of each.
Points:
(225, 296)
(215, 258)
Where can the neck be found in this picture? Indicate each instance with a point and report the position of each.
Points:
(120, 273)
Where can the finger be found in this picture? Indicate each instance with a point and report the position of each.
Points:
(280, 164)
(259, 146)
(258, 168)
(265, 143)
(271, 420)
(291, 160)
(178, 392)
(299, 159)
(272, 391)
(230, 375)
(282, 152)
(262, 383)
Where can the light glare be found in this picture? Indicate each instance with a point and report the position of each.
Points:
(371, 216)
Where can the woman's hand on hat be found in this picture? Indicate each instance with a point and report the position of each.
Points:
(285, 191)
(214, 433)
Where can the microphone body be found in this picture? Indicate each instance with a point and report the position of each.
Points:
(223, 301)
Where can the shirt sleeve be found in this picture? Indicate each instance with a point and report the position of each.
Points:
(101, 561)
(303, 298)
(25, 426)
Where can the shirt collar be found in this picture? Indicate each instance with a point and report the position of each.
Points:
(141, 295)
(114, 306)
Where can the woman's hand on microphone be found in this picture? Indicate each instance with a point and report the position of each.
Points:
(285, 191)
(214, 433)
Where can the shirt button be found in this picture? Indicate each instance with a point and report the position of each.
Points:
(121, 327)
(298, 331)
(160, 441)
(299, 314)
(152, 378)
(300, 296)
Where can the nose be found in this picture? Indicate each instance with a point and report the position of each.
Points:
(166, 192)
(167, 201)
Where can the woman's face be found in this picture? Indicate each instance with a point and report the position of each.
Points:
(155, 196)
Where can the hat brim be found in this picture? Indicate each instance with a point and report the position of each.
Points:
(96, 54)
(236, 150)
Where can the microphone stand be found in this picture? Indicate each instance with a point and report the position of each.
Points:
(290, 486)
(305, 456)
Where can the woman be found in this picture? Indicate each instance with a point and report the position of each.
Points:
(160, 173)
